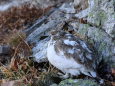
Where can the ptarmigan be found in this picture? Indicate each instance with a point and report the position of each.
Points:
(70, 54)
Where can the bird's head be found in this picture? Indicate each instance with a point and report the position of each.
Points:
(57, 34)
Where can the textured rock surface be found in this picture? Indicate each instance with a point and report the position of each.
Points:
(54, 20)
(100, 26)
(103, 15)
(39, 51)
(6, 4)
(96, 21)
(79, 82)
(100, 39)
(47, 3)
(4, 49)
(68, 8)
(80, 4)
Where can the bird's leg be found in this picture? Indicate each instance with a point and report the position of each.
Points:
(64, 76)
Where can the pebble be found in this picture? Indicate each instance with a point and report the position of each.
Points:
(5, 49)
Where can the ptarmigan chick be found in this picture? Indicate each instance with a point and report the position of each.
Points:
(70, 54)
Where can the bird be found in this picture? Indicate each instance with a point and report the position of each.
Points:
(71, 54)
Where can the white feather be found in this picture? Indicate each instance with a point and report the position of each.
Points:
(69, 64)
(67, 42)
(62, 63)
(84, 46)
(93, 73)
(71, 51)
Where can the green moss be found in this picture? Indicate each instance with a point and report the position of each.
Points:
(86, 83)
(102, 47)
(97, 17)
(54, 85)
(80, 82)
(99, 35)
(102, 16)
(96, 34)
(83, 30)
(91, 14)
(90, 41)
(96, 2)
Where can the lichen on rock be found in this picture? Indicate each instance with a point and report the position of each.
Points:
(97, 18)
(78, 82)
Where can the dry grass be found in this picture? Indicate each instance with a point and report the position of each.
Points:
(24, 69)
(12, 22)
(18, 18)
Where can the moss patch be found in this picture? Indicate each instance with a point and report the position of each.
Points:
(97, 17)
(83, 29)
(80, 82)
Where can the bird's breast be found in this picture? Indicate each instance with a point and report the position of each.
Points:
(59, 60)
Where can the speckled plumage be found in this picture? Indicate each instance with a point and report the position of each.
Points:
(70, 54)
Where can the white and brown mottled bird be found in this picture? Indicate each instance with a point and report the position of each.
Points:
(70, 54)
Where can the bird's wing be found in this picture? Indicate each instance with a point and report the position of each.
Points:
(75, 48)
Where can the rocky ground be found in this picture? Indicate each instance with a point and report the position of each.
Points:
(24, 33)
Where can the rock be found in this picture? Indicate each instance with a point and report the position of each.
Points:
(5, 54)
(5, 49)
(99, 13)
(39, 51)
(78, 82)
(99, 26)
(103, 14)
(47, 3)
(80, 4)
(54, 20)
(54, 85)
(102, 42)
(83, 13)
(68, 8)
(7, 4)
(39, 22)
(77, 2)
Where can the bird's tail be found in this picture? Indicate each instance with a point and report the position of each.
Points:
(96, 76)
(93, 74)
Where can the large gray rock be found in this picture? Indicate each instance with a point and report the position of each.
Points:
(39, 51)
(100, 39)
(103, 15)
(68, 8)
(99, 27)
(100, 13)
(54, 20)
(6, 4)
(47, 3)
(80, 4)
